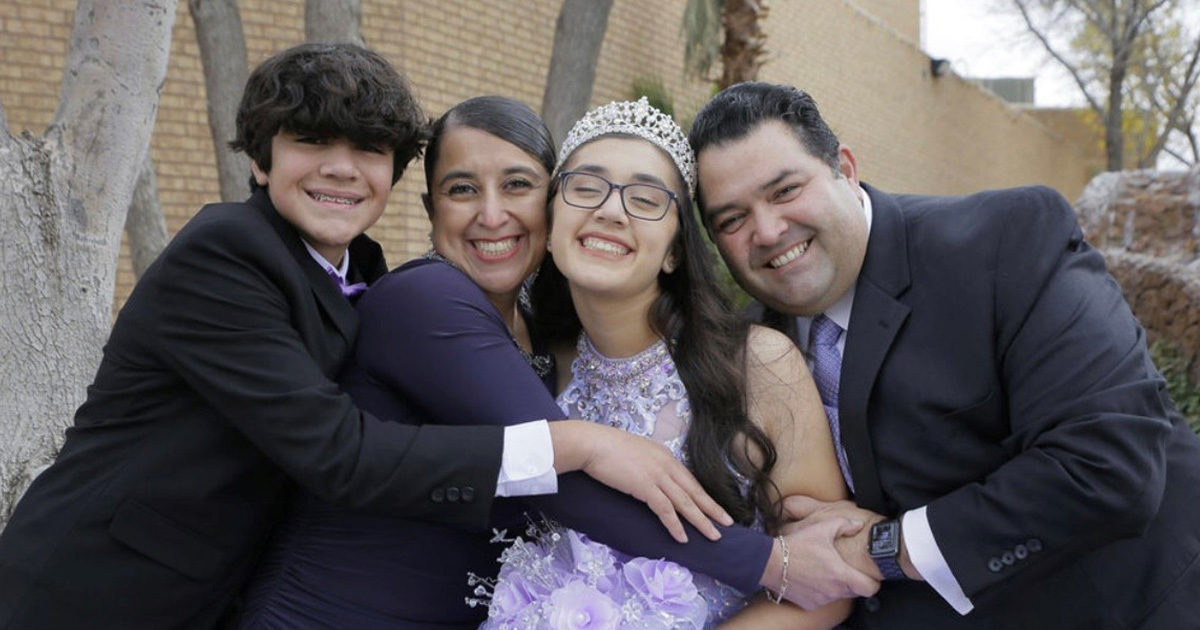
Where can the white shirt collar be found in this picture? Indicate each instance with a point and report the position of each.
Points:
(341, 270)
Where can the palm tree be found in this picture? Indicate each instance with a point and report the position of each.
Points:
(742, 48)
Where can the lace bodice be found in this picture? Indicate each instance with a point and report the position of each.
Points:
(641, 394)
(558, 571)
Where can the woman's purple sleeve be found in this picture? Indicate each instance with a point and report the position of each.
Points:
(429, 333)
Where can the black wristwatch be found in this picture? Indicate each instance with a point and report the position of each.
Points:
(884, 549)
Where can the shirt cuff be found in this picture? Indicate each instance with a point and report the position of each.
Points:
(527, 461)
(925, 555)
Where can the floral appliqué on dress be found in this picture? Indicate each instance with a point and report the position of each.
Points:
(557, 577)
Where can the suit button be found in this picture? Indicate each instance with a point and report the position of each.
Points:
(994, 565)
(1021, 552)
(871, 604)
(1034, 545)
(1008, 558)
(438, 495)
(452, 494)
(468, 494)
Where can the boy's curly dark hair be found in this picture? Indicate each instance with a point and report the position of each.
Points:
(330, 91)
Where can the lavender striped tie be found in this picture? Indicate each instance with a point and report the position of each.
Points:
(827, 370)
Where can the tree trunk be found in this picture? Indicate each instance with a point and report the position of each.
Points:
(223, 55)
(578, 34)
(63, 199)
(144, 224)
(1114, 132)
(333, 21)
(745, 43)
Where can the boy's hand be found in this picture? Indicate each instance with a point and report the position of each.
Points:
(638, 467)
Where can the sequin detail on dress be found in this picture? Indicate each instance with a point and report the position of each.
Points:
(558, 567)
(641, 394)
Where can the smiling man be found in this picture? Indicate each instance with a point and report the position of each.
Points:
(996, 413)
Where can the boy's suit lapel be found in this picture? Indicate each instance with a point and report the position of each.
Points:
(329, 296)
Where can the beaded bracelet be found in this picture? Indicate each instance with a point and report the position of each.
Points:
(783, 583)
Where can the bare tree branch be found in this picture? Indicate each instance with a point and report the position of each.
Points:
(223, 56)
(5, 136)
(112, 88)
(1070, 68)
(1178, 110)
(144, 223)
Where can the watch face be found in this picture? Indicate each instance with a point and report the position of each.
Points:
(885, 539)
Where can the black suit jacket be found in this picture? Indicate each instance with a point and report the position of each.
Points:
(213, 391)
(994, 373)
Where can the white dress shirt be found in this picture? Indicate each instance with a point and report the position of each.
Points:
(527, 459)
(918, 539)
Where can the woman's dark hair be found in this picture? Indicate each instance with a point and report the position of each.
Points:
(707, 339)
(506, 118)
(330, 91)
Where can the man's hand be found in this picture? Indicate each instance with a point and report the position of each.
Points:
(816, 573)
(852, 547)
(638, 467)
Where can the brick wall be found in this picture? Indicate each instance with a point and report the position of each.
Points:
(859, 58)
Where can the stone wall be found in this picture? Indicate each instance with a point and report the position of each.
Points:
(1145, 212)
(1147, 223)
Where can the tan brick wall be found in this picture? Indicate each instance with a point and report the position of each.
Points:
(902, 16)
(859, 58)
(911, 131)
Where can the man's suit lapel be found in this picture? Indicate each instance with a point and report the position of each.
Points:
(874, 322)
(329, 296)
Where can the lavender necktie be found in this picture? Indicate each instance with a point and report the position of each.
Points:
(349, 291)
(827, 370)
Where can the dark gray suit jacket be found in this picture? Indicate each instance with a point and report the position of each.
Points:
(994, 373)
(213, 391)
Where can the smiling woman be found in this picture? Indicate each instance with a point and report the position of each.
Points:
(486, 202)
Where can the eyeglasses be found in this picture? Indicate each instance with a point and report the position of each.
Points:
(641, 201)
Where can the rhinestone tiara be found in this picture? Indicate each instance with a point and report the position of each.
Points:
(638, 118)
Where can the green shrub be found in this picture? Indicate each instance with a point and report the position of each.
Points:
(655, 92)
(1173, 363)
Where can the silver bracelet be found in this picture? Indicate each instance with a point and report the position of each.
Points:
(783, 583)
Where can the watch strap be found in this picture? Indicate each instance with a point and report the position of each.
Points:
(889, 566)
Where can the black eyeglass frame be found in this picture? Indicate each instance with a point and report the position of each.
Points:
(620, 188)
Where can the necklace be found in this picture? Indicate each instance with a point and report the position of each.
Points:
(627, 393)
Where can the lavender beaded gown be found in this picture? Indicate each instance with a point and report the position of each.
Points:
(557, 576)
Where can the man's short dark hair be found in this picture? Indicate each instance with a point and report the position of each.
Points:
(737, 110)
(330, 91)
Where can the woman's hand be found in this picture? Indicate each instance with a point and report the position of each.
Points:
(641, 468)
